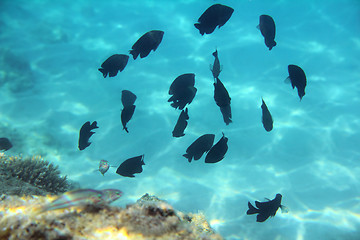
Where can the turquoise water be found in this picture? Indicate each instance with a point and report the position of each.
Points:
(49, 55)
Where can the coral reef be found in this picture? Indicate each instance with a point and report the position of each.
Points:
(30, 176)
(149, 218)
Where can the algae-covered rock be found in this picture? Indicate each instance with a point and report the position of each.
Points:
(149, 218)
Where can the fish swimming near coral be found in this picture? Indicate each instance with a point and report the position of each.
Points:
(182, 90)
(181, 124)
(268, 30)
(266, 209)
(215, 68)
(222, 99)
(266, 117)
(131, 166)
(127, 98)
(85, 134)
(199, 147)
(126, 115)
(113, 64)
(215, 15)
(83, 197)
(147, 42)
(218, 151)
(5, 144)
(298, 79)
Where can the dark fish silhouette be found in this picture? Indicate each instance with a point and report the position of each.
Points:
(267, 28)
(147, 42)
(216, 15)
(218, 151)
(113, 64)
(127, 98)
(126, 115)
(85, 134)
(199, 147)
(222, 99)
(5, 144)
(216, 68)
(131, 166)
(266, 117)
(265, 209)
(182, 90)
(298, 79)
(181, 124)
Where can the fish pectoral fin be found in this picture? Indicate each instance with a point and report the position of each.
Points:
(258, 26)
(284, 209)
(287, 80)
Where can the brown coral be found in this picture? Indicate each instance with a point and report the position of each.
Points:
(19, 219)
(30, 176)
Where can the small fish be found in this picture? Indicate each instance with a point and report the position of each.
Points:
(147, 42)
(267, 28)
(216, 68)
(222, 99)
(199, 147)
(266, 209)
(126, 115)
(127, 98)
(266, 117)
(104, 166)
(83, 197)
(85, 134)
(298, 79)
(218, 151)
(5, 144)
(113, 64)
(182, 90)
(131, 166)
(215, 15)
(181, 124)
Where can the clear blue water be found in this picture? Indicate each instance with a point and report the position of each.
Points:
(49, 55)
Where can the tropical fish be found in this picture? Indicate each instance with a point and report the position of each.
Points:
(218, 151)
(104, 166)
(147, 42)
(5, 144)
(266, 209)
(83, 197)
(216, 68)
(182, 90)
(267, 28)
(181, 124)
(199, 147)
(298, 79)
(131, 166)
(266, 117)
(113, 64)
(222, 99)
(126, 115)
(127, 98)
(215, 15)
(85, 134)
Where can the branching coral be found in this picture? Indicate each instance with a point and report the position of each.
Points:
(35, 171)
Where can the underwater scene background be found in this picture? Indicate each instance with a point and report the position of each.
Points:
(50, 52)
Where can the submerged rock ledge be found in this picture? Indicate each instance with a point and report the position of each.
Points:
(148, 218)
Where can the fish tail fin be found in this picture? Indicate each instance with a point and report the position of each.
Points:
(103, 71)
(134, 53)
(252, 209)
(125, 128)
(187, 156)
(215, 54)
